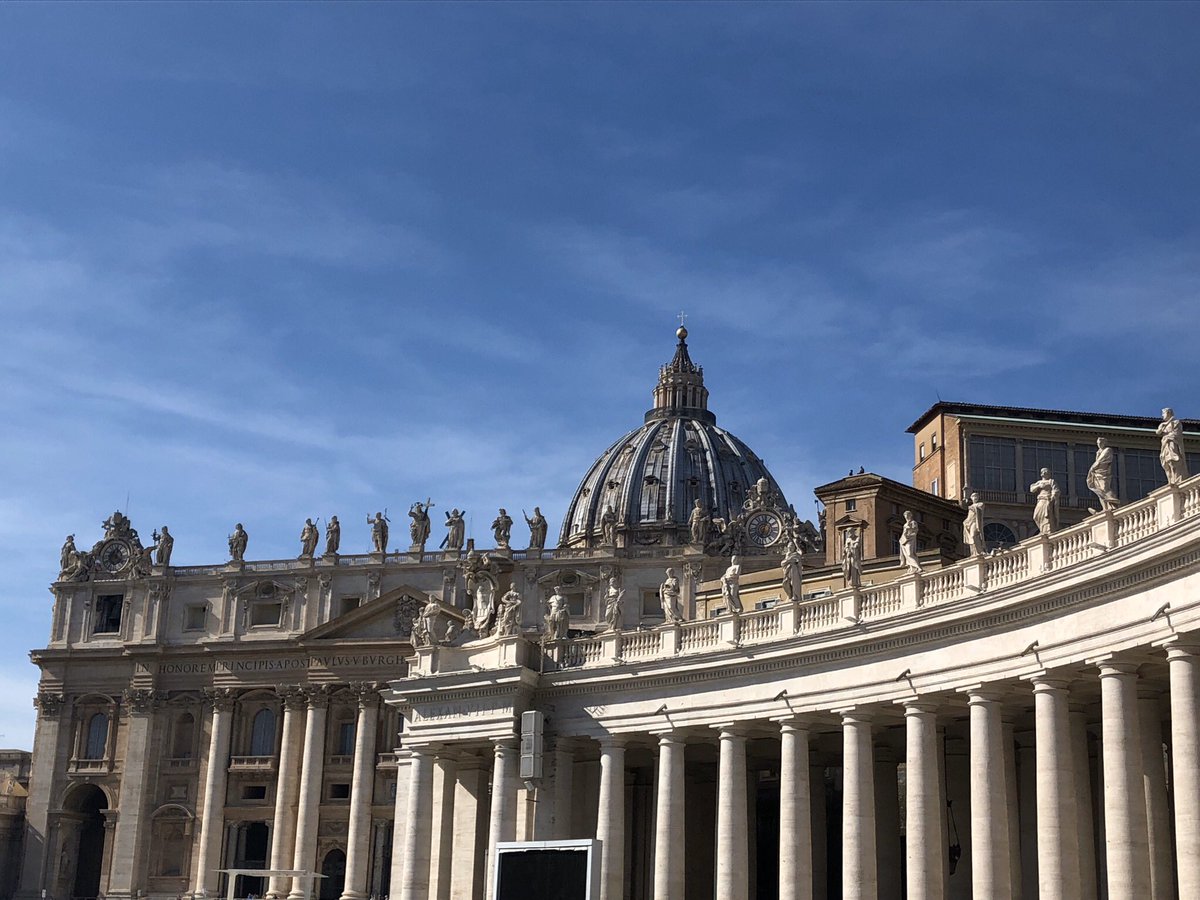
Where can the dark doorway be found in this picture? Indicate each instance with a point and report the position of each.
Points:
(255, 841)
(89, 802)
(334, 870)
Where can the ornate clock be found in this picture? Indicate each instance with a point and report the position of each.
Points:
(115, 555)
(764, 528)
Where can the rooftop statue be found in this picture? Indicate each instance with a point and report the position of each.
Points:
(164, 543)
(73, 563)
(420, 526)
(558, 617)
(502, 529)
(731, 585)
(333, 536)
(973, 526)
(908, 542)
(379, 531)
(1045, 512)
(852, 557)
(614, 605)
(508, 618)
(308, 539)
(1099, 476)
(456, 529)
(537, 529)
(237, 543)
(668, 595)
(1172, 456)
(793, 572)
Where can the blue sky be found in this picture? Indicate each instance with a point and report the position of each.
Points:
(262, 262)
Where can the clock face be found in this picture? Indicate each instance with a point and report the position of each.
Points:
(764, 528)
(115, 555)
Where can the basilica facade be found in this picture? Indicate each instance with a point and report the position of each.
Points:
(724, 697)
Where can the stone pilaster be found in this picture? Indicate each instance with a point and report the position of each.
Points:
(416, 829)
(48, 759)
(129, 838)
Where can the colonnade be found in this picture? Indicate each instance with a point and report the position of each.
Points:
(298, 790)
(1022, 768)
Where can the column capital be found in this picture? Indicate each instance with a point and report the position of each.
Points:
(49, 703)
(796, 723)
(674, 736)
(508, 743)
(143, 701)
(1044, 681)
(984, 693)
(856, 715)
(292, 695)
(607, 741)
(317, 695)
(918, 706)
(367, 693)
(731, 730)
(1111, 667)
(222, 699)
(1180, 646)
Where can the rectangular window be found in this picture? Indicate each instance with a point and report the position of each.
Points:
(1038, 455)
(577, 604)
(933, 488)
(345, 742)
(108, 613)
(339, 792)
(1143, 473)
(651, 607)
(349, 604)
(265, 613)
(993, 463)
(933, 441)
(851, 505)
(921, 454)
(254, 792)
(195, 617)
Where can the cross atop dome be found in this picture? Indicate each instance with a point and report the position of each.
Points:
(680, 390)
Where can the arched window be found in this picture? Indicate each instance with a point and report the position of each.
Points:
(97, 737)
(997, 536)
(181, 743)
(262, 734)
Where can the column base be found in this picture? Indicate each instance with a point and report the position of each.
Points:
(354, 895)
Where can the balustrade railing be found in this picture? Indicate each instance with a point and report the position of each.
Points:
(1006, 567)
(943, 586)
(1071, 546)
(759, 626)
(639, 644)
(883, 600)
(1135, 523)
(819, 615)
(699, 635)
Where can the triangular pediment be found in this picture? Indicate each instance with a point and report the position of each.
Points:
(849, 521)
(389, 616)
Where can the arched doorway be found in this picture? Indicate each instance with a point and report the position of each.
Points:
(88, 803)
(334, 870)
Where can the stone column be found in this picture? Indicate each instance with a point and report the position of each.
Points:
(400, 829)
(924, 837)
(733, 881)
(990, 871)
(1012, 795)
(129, 837)
(1158, 815)
(212, 816)
(1184, 662)
(1088, 886)
(48, 760)
(1057, 841)
(502, 821)
(362, 787)
(1128, 851)
(889, 853)
(860, 877)
(795, 814)
(416, 829)
(668, 821)
(470, 829)
(441, 854)
(308, 811)
(564, 782)
(287, 788)
(610, 818)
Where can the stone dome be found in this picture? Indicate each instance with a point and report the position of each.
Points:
(653, 475)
